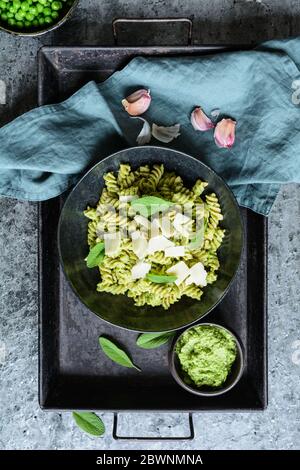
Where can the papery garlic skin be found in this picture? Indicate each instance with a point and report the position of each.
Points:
(225, 133)
(137, 103)
(145, 135)
(200, 121)
(215, 113)
(165, 134)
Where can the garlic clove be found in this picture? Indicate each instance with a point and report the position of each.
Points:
(200, 121)
(165, 134)
(137, 103)
(225, 133)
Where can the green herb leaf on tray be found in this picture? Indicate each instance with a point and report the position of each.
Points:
(95, 256)
(161, 278)
(116, 354)
(89, 422)
(149, 205)
(153, 340)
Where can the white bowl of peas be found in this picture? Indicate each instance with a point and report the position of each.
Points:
(34, 17)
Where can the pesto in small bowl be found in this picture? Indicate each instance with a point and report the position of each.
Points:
(207, 359)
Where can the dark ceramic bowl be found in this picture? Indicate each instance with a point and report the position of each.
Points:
(233, 377)
(119, 309)
(65, 14)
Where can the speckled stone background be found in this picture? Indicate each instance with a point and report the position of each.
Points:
(22, 424)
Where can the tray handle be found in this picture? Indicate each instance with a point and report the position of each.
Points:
(143, 21)
(116, 436)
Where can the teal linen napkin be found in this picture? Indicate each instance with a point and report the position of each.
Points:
(45, 151)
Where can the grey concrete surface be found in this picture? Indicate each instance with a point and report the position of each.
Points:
(22, 424)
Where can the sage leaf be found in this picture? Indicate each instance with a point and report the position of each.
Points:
(89, 422)
(116, 354)
(96, 255)
(153, 340)
(161, 278)
(150, 205)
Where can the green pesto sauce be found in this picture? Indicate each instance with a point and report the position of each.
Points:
(206, 354)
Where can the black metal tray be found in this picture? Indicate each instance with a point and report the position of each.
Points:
(73, 372)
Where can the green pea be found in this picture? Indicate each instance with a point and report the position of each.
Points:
(56, 5)
(55, 15)
(19, 15)
(43, 2)
(33, 11)
(35, 23)
(39, 8)
(47, 11)
(29, 17)
(9, 14)
(41, 20)
(11, 21)
(27, 24)
(19, 24)
(12, 9)
(3, 5)
(24, 6)
(3, 16)
(17, 3)
(48, 20)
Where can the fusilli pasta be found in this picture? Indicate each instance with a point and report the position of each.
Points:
(115, 213)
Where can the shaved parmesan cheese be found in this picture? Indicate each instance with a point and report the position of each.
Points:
(127, 198)
(175, 251)
(181, 218)
(112, 243)
(143, 221)
(155, 228)
(197, 275)
(139, 244)
(140, 270)
(136, 234)
(166, 227)
(179, 223)
(182, 230)
(181, 270)
(159, 243)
